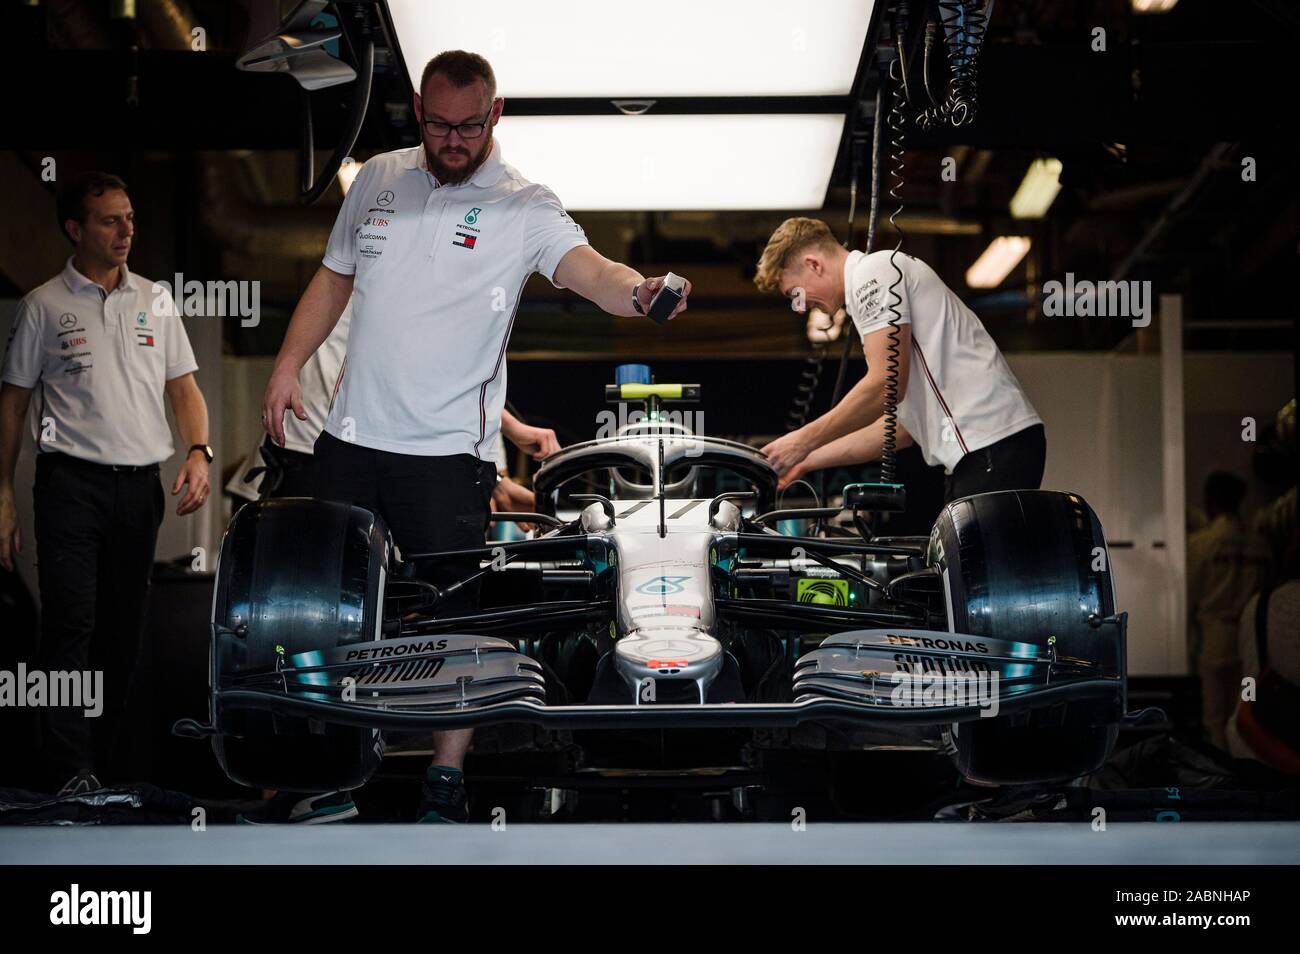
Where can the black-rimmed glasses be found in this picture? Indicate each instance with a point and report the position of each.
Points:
(439, 129)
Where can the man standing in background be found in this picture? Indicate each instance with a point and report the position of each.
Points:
(100, 350)
(1225, 565)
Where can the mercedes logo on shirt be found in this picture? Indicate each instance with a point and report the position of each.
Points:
(67, 320)
(384, 198)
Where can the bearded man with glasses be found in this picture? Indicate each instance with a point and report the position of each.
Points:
(433, 244)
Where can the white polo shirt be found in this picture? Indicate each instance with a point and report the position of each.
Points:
(319, 380)
(961, 395)
(439, 271)
(98, 363)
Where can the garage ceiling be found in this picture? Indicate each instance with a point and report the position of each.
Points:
(1135, 127)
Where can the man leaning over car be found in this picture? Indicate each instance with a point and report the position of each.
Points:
(957, 398)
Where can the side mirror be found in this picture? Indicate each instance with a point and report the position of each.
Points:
(298, 48)
(875, 498)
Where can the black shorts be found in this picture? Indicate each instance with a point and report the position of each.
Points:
(1014, 463)
(428, 503)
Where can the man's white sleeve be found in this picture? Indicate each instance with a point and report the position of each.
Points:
(341, 250)
(868, 296)
(23, 355)
(549, 234)
(176, 341)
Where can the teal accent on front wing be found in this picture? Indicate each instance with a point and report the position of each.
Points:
(305, 660)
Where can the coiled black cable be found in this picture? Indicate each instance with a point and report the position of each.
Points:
(873, 217)
(966, 77)
(805, 391)
(950, 19)
(964, 23)
(925, 63)
(897, 169)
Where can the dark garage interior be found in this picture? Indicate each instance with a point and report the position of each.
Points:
(1018, 155)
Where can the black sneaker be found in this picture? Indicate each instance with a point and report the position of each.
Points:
(443, 798)
(83, 783)
(295, 808)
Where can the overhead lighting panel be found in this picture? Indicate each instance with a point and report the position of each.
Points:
(598, 48)
(677, 162)
(1037, 190)
(1153, 6)
(992, 267)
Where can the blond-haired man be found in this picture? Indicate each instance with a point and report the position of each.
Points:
(957, 398)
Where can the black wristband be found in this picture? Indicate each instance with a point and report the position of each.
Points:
(636, 302)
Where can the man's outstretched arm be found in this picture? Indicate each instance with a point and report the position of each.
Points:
(609, 284)
(864, 403)
(860, 447)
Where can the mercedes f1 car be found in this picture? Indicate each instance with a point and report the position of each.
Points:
(641, 603)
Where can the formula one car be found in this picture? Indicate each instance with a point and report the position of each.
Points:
(641, 603)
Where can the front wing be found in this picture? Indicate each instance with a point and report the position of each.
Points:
(885, 677)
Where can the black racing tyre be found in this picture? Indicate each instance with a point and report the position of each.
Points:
(304, 575)
(1022, 565)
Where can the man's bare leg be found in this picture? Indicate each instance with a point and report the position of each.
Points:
(449, 747)
(443, 797)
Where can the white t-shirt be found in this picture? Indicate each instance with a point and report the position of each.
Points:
(961, 395)
(439, 271)
(1225, 563)
(98, 363)
(1282, 629)
(319, 379)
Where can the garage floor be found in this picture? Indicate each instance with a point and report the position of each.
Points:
(922, 843)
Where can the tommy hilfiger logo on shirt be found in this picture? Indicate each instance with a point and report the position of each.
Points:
(143, 340)
(463, 237)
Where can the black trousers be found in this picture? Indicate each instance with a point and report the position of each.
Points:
(1014, 463)
(96, 528)
(428, 503)
(290, 473)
